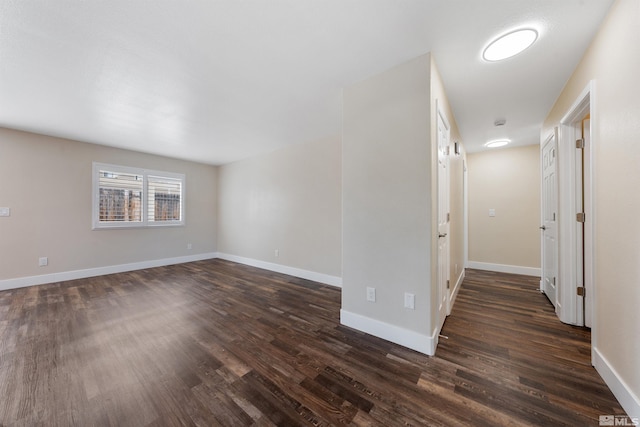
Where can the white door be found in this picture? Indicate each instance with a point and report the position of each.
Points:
(549, 220)
(443, 218)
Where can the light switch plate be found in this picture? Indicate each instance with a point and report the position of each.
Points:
(5, 211)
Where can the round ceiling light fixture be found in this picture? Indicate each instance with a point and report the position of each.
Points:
(497, 143)
(509, 44)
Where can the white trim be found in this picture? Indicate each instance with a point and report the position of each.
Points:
(620, 389)
(456, 288)
(22, 282)
(419, 342)
(502, 268)
(443, 273)
(284, 269)
(465, 210)
(581, 104)
(569, 233)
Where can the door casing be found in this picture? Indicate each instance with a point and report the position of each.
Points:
(443, 136)
(571, 188)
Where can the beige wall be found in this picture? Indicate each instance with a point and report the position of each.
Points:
(287, 200)
(507, 180)
(390, 201)
(387, 195)
(47, 183)
(613, 61)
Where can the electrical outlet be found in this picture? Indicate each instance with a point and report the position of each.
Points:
(277, 253)
(492, 212)
(43, 261)
(409, 301)
(5, 211)
(189, 246)
(371, 294)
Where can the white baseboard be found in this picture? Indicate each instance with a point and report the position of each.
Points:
(503, 268)
(22, 282)
(456, 289)
(395, 334)
(628, 400)
(278, 268)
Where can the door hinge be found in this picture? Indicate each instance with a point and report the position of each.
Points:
(580, 291)
(447, 284)
(580, 217)
(448, 217)
(580, 143)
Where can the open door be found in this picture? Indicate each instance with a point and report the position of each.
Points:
(549, 220)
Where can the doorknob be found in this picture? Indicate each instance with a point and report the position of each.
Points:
(543, 228)
(442, 235)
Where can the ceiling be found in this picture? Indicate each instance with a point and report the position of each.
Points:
(217, 81)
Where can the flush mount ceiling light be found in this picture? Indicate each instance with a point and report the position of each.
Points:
(509, 44)
(497, 143)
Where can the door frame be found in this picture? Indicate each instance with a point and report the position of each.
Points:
(440, 115)
(570, 240)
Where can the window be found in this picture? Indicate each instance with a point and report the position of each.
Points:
(131, 197)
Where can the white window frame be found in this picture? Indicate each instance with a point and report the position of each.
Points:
(145, 173)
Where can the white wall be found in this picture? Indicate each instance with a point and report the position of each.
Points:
(47, 183)
(288, 200)
(508, 181)
(387, 200)
(389, 203)
(613, 62)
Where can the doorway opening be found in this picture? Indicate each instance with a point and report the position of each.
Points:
(569, 261)
(444, 297)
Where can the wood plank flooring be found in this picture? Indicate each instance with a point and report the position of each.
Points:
(216, 343)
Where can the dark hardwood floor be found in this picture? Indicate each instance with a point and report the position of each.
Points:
(217, 343)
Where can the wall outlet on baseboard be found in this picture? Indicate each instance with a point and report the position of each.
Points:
(276, 252)
(43, 261)
(371, 294)
(189, 246)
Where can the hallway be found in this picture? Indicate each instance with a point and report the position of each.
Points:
(509, 352)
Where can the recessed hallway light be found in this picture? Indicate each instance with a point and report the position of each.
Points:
(509, 44)
(497, 143)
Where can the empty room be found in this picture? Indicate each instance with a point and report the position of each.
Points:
(293, 213)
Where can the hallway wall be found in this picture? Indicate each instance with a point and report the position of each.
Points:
(507, 181)
(613, 62)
